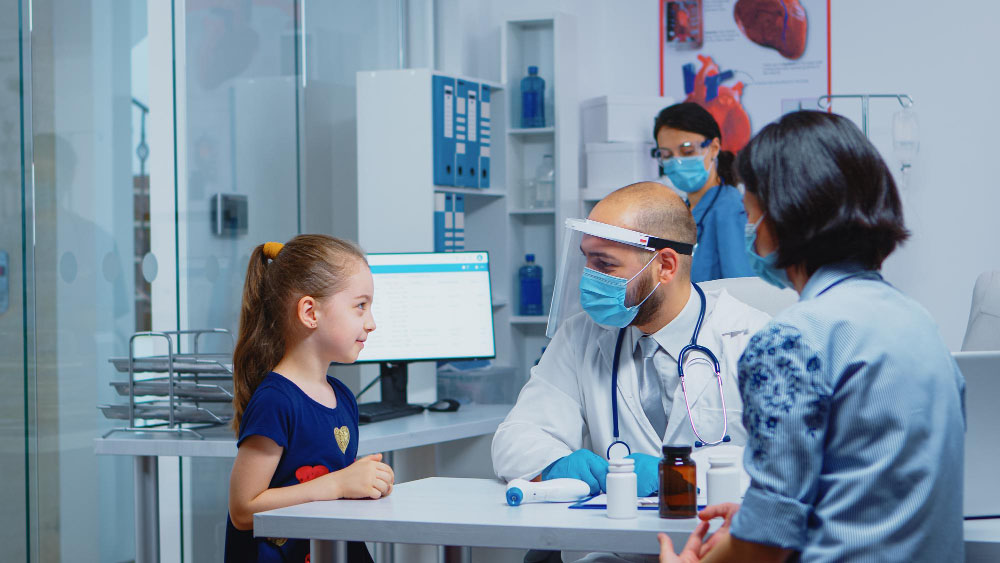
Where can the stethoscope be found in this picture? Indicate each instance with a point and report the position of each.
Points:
(693, 346)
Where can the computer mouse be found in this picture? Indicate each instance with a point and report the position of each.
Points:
(443, 405)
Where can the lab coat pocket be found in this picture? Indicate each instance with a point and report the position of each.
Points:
(710, 423)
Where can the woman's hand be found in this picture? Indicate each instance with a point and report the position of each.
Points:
(692, 549)
(367, 477)
(696, 548)
(726, 511)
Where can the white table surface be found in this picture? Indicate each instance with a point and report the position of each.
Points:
(388, 435)
(473, 512)
(469, 512)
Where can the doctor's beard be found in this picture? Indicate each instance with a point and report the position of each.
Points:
(639, 291)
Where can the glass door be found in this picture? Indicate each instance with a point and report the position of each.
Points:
(13, 321)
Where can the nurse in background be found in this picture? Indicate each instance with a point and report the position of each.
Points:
(853, 405)
(689, 149)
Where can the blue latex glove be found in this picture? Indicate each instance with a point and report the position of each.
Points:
(647, 472)
(584, 465)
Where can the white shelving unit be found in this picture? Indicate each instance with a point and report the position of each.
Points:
(396, 187)
(396, 191)
(549, 42)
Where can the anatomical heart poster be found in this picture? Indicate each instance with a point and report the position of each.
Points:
(746, 61)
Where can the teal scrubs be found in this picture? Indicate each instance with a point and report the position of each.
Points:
(720, 218)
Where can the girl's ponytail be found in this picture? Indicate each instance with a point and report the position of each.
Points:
(260, 345)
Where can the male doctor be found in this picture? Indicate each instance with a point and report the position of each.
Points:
(631, 263)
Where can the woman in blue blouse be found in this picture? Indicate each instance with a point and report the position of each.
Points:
(852, 403)
(689, 148)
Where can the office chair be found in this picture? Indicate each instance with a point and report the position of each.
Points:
(983, 332)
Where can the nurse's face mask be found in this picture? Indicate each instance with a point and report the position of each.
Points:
(609, 293)
(684, 166)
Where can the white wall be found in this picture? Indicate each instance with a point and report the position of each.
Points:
(888, 46)
(896, 46)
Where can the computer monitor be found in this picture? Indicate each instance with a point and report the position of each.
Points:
(427, 306)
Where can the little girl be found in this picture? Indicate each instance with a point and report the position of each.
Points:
(305, 304)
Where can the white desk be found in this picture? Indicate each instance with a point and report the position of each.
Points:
(473, 512)
(466, 512)
(416, 430)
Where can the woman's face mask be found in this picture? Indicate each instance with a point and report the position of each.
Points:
(763, 266)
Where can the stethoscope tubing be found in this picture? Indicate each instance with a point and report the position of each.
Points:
(693, 346)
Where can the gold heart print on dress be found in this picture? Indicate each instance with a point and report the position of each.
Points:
(343, 436)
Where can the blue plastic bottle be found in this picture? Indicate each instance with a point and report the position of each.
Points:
(530, 276)
(532, 99)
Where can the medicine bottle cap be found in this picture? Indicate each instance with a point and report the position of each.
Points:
(721, 460)
(675, 449)
(529, 257)
(532, 69)
(621, 465)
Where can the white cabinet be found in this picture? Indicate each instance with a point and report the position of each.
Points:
(396, 181)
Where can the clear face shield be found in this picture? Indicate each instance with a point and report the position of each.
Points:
(598, 273)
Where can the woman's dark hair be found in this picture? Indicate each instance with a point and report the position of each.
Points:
(825, 189)
(691, 117)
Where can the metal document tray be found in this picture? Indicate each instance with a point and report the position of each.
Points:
(182, 389)
(182, 413)
(183, 363)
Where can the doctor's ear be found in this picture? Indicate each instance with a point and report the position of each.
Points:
(670, 264)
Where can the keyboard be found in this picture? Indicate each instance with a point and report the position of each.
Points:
(374, 412)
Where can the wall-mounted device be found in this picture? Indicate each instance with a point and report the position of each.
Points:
(229, 215)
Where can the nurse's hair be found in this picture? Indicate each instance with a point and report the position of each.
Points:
(827, 193)
(277, 277)
(691, 117)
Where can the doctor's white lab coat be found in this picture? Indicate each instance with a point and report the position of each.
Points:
(566, 404)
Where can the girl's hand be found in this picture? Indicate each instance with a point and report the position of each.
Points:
(367, 477)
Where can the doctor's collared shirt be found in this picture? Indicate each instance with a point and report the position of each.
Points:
(854, 410)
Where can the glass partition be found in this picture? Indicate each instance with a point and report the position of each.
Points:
(87, 236)
(144, 151)
(13, 328)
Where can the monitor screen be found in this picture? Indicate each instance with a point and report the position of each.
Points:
(430, 306)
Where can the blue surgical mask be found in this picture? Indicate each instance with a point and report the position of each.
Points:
(763, 266)
(603, 297)
(686, 173)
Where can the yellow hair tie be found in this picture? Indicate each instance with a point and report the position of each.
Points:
(271, 249)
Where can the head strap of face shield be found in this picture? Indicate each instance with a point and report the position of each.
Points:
(656, 243)
(628, 236)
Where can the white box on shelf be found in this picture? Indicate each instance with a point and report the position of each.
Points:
(613, 165)
(621, 118)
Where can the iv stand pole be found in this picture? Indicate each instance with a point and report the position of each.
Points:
(903, 99)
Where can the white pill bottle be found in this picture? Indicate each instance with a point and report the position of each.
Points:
(621, 486)
(723, 479)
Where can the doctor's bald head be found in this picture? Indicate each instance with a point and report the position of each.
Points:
(651, 208)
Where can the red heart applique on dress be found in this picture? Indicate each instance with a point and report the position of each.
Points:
(308, 473)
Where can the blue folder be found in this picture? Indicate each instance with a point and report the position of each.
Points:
(484, 136)
(443, 98)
